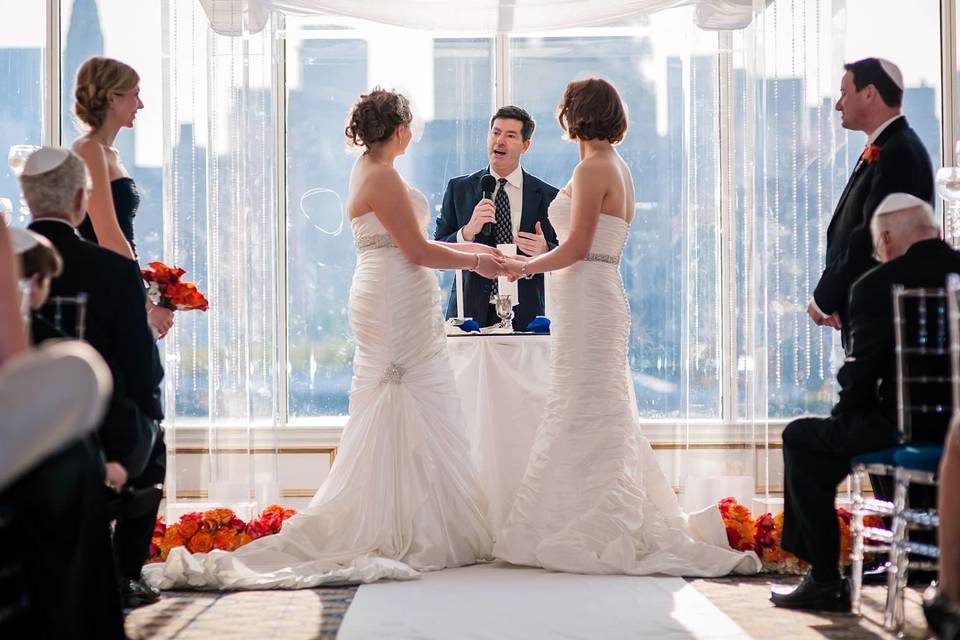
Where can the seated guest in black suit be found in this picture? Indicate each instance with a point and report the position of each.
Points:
(55, 559)
(817, 451)
(54, 183)
(40, 263)
(516, 214)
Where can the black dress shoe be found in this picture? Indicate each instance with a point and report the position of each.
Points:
(943, 616)
(137, 593)
(815, 596)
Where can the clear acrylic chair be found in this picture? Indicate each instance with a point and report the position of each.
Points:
(67, 313)
(926, 393)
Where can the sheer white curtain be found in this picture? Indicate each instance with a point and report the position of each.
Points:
(221, 221)
(477, 16)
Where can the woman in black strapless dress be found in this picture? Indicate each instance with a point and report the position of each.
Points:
(107, 99)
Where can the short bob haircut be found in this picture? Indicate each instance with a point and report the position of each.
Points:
(592, 109)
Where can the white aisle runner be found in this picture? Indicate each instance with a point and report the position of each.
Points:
(506, 603)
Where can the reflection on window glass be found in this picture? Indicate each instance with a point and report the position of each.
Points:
(449, 83)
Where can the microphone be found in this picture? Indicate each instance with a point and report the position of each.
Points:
(487, 185)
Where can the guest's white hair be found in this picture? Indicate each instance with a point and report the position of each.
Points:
(53, 191)
(901, 213)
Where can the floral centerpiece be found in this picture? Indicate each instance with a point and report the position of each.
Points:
(166, 289)
(200, 532)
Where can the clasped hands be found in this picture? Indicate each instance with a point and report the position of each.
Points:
(493, 263)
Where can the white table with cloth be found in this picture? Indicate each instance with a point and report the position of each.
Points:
(503, 380)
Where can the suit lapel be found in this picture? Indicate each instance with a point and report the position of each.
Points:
(532, 194)
(861, 168)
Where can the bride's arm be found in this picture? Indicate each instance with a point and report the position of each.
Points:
(391, 203)
(471, 247)
(588, 190)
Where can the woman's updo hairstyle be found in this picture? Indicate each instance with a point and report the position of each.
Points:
(97, 79)
(376, 116)
(592, 110)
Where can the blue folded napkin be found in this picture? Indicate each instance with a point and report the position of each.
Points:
(540, 324)
(469, 325)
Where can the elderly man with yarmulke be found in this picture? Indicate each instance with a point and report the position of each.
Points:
(817, 452)
(893, 160)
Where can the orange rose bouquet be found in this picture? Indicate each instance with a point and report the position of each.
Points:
(166, 289)
(200, 532)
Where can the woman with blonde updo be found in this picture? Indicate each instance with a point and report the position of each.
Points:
(107, 99)
(402, 496)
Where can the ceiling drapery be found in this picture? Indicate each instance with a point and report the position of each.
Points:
(233, 17)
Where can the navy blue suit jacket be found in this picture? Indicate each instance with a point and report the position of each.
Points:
(459, 199)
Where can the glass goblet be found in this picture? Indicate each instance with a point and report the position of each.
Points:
(504, 306)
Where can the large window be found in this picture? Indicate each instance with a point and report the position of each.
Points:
(101, 28)
(329, 64)
(21, 84)
(736, 151)
(800, 158)
(666, 71)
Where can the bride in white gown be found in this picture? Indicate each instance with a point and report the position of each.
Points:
(402, 496)
(593, 498)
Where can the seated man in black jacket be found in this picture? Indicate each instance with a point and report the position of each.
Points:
(54, 184)
(817, 451)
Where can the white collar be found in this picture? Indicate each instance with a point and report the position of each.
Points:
(515, 178)
(52, 219)
(876, 132)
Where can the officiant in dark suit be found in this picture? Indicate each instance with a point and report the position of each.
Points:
(54, 183)
(516, 214)
(894, 160)
(817, 451)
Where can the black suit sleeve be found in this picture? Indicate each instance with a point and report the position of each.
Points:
(447, 223)
(871, 343)
(549, 233)
(896, 171)
(138, 357)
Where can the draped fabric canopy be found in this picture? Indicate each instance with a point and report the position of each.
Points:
(233, 17)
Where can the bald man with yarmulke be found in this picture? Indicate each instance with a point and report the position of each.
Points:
(893, 160)
(817, 451)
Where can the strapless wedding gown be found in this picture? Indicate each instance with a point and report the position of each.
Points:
(402, 495)
(593, 498)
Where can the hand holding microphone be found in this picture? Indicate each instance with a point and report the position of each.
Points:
(485, 213)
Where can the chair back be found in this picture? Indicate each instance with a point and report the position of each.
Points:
(953, 311)
(68, 314)
(925, 387)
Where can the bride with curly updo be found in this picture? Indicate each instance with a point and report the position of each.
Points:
(107, 99)
(402, 496)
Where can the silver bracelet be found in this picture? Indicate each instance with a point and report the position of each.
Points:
(476, 266)
(523, 271)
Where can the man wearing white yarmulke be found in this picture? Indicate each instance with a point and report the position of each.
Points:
(893, 160)
(817, 451)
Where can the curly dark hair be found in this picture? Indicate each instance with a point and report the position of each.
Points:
(592, 109)
(375, 117)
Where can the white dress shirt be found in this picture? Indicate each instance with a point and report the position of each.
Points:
(514, 187)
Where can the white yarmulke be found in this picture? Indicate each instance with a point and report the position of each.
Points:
(892, 71)
(901, 201)
(44, 159)
(23, 239)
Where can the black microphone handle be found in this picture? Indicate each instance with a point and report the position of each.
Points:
(487, 229)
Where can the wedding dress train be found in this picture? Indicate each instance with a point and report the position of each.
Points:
(402, 495)
(593, 498)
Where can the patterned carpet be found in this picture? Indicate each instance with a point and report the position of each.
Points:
(246, 615)
(316, 614)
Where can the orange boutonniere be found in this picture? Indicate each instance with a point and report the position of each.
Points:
(871, 154)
